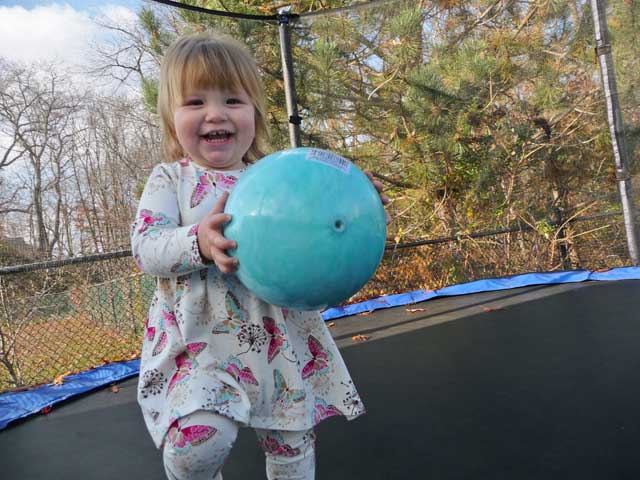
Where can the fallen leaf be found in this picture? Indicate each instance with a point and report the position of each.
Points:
(46, 410)
(59, 380)
(360, 338)
(115, 389)
(491, 309)
(369, 312)
(414, 310)
(331, 324)
(601, 270)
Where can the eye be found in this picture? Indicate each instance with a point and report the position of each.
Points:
(234, 101)
(192, 102)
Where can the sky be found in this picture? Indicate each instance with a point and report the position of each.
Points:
(58, 30)
(61, 31)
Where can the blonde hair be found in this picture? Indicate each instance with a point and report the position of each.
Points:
(209, 60)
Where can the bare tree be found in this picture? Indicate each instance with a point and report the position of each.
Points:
(11, 114)
(134, 53)
(111, 158)
(36, 110)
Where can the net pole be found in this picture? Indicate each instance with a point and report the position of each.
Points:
(287, 73)
(616, 126)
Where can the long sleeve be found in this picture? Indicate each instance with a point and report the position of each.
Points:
(160, 244)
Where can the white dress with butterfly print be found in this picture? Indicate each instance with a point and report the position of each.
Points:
(209, 343)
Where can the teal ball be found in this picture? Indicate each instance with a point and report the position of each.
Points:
(310, 228)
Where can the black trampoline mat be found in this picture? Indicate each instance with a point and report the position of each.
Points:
(530, 383)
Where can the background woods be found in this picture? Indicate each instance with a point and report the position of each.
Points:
(485, 120)
(72, 166)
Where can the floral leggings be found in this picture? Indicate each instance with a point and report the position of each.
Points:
(196, 447)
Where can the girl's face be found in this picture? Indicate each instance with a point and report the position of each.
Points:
(215, 127)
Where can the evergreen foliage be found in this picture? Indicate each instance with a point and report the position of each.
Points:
(479, 114)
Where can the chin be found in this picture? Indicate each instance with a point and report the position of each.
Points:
(225, 165)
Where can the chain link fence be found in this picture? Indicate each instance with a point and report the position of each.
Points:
(75, 315)
(69, 318)
(552, 205)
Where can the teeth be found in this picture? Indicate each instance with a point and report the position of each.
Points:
(217, 134)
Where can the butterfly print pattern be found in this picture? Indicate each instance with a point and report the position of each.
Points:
(273, 443)
(209, 343)
(185, 363)
(203, 187)
(149, 332)
(225, 182)
(285, 397)
(235, 316)
(278, 339)
(149, 219)
(319, 358)
(163, 340)
(219, 397)
(239, 372)
(167, 320)
(323, 411)
(184, 263)
(183, 438)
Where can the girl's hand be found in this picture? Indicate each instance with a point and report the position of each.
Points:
(385, 200)
(212, 243)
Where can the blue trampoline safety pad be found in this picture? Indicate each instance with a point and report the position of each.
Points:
(505, 283)
(17, 405)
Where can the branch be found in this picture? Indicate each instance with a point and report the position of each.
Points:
(392, 181)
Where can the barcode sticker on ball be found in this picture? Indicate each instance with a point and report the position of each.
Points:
(328, 158)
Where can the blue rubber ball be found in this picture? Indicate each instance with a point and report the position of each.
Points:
(310, 228)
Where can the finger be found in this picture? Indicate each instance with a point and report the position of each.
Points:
(225, 263)
(388, 218)
(223, 243)
(376, 183)
(222, 201)
(385, 199)
(218, 220)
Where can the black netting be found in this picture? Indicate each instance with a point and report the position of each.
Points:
(485, 121)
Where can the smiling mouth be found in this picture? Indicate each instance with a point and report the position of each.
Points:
(217, 136)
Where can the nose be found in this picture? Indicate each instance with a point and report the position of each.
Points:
(216, 113)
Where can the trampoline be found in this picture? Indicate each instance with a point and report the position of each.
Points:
(524, 383)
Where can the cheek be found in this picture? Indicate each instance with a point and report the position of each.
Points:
(250, 125)
(184, 126)
(251, 128)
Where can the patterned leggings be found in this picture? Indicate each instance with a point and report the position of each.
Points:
(197, 446)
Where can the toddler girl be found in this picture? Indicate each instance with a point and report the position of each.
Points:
(215, 357)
